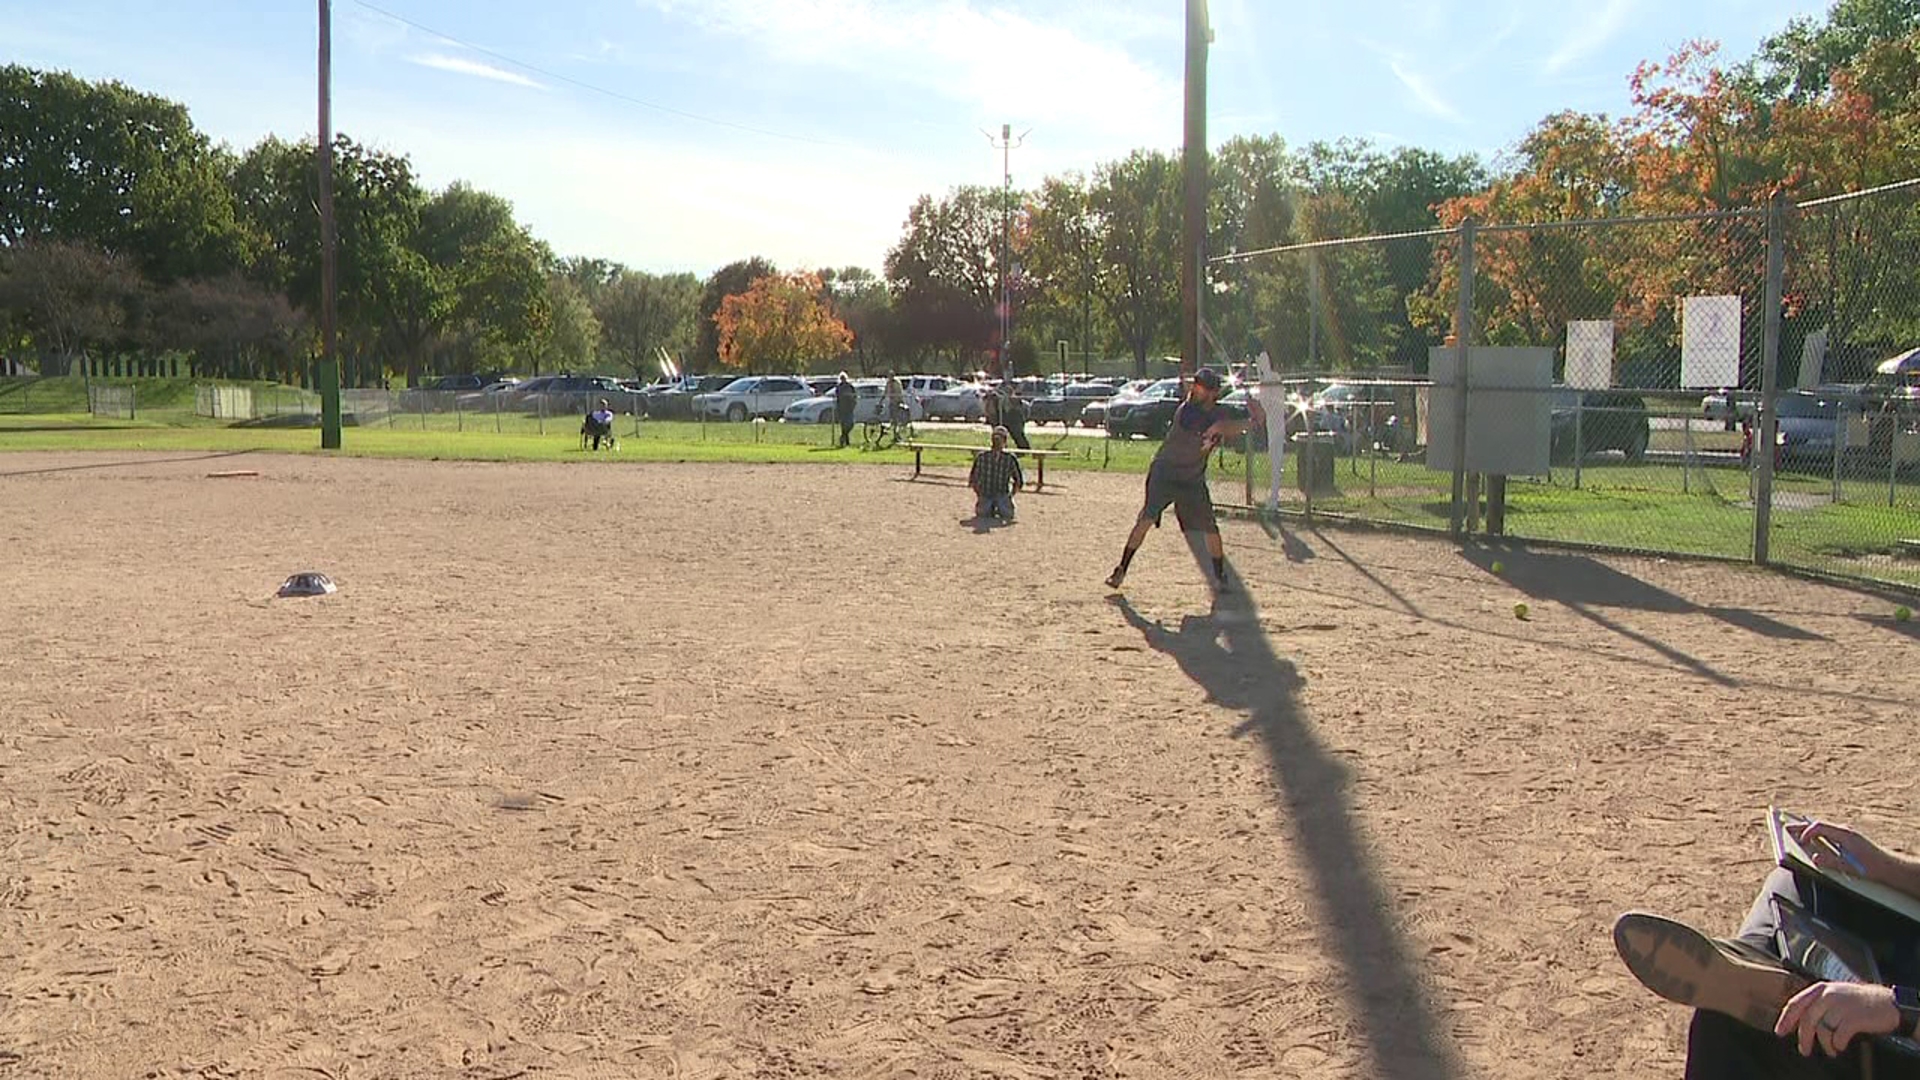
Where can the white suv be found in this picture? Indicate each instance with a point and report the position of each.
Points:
(763, 395)
(922, 387)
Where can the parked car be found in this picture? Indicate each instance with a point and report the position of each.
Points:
(489, 396)
(925, 386)
(1094, 413)
(1302, 416)
(756, 395)
(869, 405)
(1806, 425)
(1369, 409)
(556, 394)
(1065, 406)
(1609, 420)
(1729, 408)
(440, 392)
(1148, 412)
(960, 401)
(676, 400)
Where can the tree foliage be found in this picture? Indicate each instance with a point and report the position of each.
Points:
(781, 322)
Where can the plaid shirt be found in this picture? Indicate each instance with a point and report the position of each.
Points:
(995, 472)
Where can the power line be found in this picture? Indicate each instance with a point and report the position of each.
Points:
(614, 94)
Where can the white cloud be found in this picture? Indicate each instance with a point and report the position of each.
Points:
(1593, 34)
(461, 65)
(1424, 93)
(996, 61)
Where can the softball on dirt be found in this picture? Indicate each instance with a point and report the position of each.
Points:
(1902, 613)
(1498, 568)
(1519, 611)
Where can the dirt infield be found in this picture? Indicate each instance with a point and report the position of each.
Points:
(685, 771)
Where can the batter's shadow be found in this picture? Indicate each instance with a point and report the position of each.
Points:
(1228, 655)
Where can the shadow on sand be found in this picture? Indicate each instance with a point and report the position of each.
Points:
(1228, 655)
(126, 464)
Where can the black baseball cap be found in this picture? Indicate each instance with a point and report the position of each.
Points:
(1208, 378)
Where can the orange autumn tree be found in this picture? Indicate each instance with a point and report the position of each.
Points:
(781, 321)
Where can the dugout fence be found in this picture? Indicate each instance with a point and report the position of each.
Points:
(1741, 384)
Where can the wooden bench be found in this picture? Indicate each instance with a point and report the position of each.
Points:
(1039, 456)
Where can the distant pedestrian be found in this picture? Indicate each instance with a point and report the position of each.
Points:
(1178, 475)
(994, 479)
(1013, 416)
(844, 399)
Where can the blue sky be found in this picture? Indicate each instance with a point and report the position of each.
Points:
(802, 130)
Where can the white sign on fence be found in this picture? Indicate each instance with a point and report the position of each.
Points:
(1590, 354)
(1709, 342)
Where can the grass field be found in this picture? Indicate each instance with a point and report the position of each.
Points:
(1653, 506)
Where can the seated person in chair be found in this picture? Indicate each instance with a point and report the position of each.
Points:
(1756, 1017)
(994, 479)
(598, 425)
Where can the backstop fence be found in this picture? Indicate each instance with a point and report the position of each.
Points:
(1741, 384)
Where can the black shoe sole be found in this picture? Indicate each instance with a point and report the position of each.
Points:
(1685, 966)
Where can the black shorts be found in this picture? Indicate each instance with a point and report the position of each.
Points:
(1192, 503)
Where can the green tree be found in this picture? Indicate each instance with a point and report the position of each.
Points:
(104, 165)
(571, 336)
(945, 273)
(641, 314)
(1136, 202)
(861, 300)
(1799, 62)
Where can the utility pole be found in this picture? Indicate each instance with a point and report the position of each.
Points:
(329, 374)
(1006, 144)
(1193, 247)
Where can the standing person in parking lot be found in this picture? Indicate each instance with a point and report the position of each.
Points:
(1013, 415)
(844, 397)
(896, 403)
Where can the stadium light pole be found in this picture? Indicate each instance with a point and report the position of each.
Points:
(1193, 248)
(329, 373)
(1006, 144)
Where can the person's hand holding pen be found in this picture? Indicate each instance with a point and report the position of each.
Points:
(1842, 850)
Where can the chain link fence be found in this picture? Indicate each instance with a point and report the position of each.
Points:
(1742, 385)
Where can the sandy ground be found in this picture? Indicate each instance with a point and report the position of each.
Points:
(710, 772)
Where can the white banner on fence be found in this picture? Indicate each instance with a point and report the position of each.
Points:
(1709, 342)
(1813, 359)
(1590, 354)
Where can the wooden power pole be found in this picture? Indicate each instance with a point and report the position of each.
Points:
(329, 374)
(1193, 247)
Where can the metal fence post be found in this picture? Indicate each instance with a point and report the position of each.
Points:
(1839, 445)
(1579, 436)
(1769, 361)
(1686, 457)
(1463, 335)
(1248, 436)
